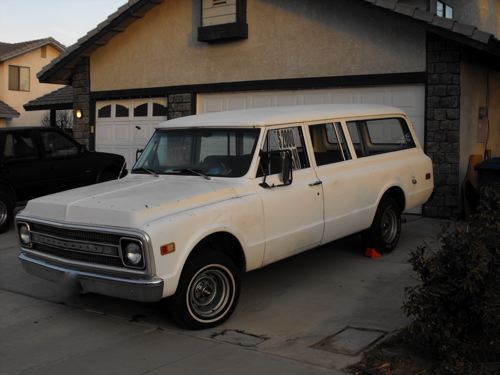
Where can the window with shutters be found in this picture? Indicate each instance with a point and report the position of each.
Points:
(222, 20)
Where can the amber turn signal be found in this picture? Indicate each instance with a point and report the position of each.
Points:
(168, 248)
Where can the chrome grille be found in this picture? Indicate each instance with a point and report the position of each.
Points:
(76, 234)
(75, 244)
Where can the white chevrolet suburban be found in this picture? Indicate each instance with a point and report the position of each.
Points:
(217, 194)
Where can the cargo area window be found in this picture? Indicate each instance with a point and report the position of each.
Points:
(19, 145)
(379, 136)
(329, 143)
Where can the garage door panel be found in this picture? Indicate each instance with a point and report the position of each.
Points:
(124, 135)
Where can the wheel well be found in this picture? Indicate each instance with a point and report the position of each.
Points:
(226, 243)
(398, 195)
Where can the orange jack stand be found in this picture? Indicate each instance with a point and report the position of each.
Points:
(372, 253)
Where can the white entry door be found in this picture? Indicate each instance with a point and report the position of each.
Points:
(124, 126)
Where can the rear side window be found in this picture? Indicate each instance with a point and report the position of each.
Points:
(379, 136)
(55, 145)
(329, 143)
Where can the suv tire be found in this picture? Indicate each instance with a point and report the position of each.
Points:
(6, 210)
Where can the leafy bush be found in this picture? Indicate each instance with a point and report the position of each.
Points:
(456, 306)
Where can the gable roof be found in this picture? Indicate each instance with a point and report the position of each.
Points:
(58, 99)
(6, 111)
(11, 50)
(60, 69)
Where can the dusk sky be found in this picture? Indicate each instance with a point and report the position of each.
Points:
(64, 20)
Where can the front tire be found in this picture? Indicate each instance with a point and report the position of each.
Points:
(384, 233)
(6, 211)
(208, 291)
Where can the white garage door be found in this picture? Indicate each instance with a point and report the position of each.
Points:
(410, 98)
(123, 126)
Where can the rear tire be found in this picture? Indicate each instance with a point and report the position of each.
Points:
(6, 211)
(384, 233)
(208, 291)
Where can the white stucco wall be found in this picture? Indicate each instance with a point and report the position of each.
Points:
(287, 39)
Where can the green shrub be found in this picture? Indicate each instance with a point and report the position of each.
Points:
(456, 306)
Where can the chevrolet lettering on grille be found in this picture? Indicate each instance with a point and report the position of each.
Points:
(75, 246)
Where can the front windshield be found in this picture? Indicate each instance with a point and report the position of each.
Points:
(209, 152)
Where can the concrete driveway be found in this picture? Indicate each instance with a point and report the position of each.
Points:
(314, 313)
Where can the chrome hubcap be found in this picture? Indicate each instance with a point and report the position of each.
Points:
(3, 213)
(389, 225)
(210, 292)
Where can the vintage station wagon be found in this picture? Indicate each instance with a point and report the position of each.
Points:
(217, 194)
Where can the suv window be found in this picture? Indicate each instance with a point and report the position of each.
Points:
(56, 145)
(284, 139)
(19, 145)
(329, 143)
(379, 136)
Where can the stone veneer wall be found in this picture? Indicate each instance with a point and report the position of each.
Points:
(443, 125)
(81, 99)
(179, 105)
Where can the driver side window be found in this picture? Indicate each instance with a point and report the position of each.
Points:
(290, 138)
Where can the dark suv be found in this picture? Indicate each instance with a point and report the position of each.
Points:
(37, 161)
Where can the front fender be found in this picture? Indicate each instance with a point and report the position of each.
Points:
(240, 217)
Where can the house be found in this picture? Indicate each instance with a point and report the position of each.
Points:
(19, 64)
(154, 59)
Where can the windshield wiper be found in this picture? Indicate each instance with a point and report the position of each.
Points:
(192, 171)
(145, 169)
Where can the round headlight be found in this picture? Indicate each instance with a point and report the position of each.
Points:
(133, 253)
(24, 235)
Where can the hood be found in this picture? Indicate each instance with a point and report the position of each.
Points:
(130, 202)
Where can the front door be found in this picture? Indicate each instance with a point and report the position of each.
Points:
(293, 214)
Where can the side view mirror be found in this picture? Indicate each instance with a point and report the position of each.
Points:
(279, 161)
(138, 154)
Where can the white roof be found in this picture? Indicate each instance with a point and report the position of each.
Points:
(280, 115)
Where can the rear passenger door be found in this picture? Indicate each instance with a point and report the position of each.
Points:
(344, 186)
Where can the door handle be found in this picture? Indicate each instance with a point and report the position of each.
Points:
(316, 183)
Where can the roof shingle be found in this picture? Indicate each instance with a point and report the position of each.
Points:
(10, 50)
(59, 99)
(6, 111)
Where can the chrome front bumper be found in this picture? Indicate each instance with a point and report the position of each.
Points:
(137, 289)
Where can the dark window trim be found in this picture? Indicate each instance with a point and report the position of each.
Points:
(224, 32)
(275, 84)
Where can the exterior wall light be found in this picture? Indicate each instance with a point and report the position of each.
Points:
(78, 113)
